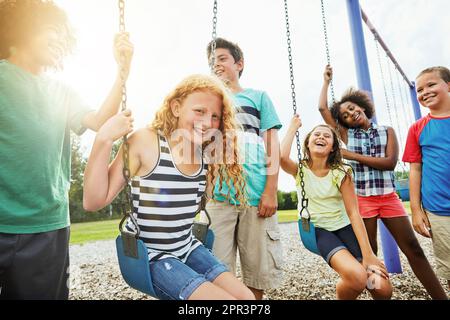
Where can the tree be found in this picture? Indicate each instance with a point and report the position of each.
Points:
(287, 200)
(78, 165)
(281, 201)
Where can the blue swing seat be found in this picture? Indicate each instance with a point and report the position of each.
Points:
(402, 186)
(308, 235)
(136, 270)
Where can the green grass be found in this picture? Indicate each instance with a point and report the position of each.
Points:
(287, 216)
(93, 231)
(107, 230)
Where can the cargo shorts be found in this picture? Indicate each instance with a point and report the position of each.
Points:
(256, 238)
(440, 229)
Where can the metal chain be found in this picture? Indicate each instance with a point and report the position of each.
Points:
(383, 80)
(396, 111)
(394, 100)
(214, 37)
(404, 95)
(388, 107)
(395, 106)
(304, 203)
(127, 203)
(327, 46)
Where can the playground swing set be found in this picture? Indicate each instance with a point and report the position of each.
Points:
(132, 252)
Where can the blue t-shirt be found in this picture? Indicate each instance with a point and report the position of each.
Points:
(256, 113)
(429, 143)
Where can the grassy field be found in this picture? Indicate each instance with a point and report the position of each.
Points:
(107, 230)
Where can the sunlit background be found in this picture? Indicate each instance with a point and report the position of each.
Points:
(170, 39)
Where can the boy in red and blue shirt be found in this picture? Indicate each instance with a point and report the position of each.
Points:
(428, 152)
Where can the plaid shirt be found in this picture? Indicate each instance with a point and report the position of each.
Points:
(372, 143)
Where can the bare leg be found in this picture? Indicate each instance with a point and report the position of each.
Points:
(228, 282)
(403, 233)
(259, 294)
(353, 277)
(378, 287)
(209, 291)
(371, 227)
(225, 287)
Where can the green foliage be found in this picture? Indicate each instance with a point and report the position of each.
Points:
(287, 200)
(281, 200)
(401, 175)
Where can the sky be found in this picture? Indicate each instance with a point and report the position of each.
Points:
(170, 39)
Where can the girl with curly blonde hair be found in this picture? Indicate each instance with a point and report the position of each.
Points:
(169, 176)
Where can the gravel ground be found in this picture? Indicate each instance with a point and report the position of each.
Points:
(95, 274)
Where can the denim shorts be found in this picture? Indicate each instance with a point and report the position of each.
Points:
(174, 280)
(330, 242)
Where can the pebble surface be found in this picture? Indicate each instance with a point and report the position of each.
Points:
(95, 273)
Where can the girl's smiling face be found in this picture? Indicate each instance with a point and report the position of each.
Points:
(352, 114)
(321, 142)
(199, 112)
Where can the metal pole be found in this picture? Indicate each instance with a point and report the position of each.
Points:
(411, 84)
(415, 103)
(390, 249)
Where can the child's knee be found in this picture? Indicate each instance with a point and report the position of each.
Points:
(356, 279)
(244, 293)
(381, 287)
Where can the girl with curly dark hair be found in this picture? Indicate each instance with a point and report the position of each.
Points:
(372, 151)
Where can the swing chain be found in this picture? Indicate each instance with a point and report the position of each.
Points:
(327, 46)
(291, 65)
(386, 98)
(395, 104)
(214, 37)
(304, 200)
(126, 204)
(121, 15)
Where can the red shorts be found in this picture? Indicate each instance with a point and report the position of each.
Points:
(384, 206)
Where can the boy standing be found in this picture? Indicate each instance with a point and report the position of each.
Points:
(36, 116)
(428, 151)
(252, 229)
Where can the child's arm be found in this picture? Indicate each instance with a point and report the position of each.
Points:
(287, 164)
(323, 104)
(385, 163)
(351, 206)
(269, 201)
(419, 217)
(102, 182)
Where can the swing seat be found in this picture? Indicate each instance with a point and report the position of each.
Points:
(308, 235)
(209, 239)
(135, 268)
(402, 187)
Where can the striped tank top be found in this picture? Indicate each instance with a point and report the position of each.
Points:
(165, 203)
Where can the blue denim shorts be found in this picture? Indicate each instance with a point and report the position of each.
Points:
(330, 242)
(174, 280)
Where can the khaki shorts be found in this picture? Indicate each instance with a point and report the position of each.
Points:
(440, 228)
(257, 239)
